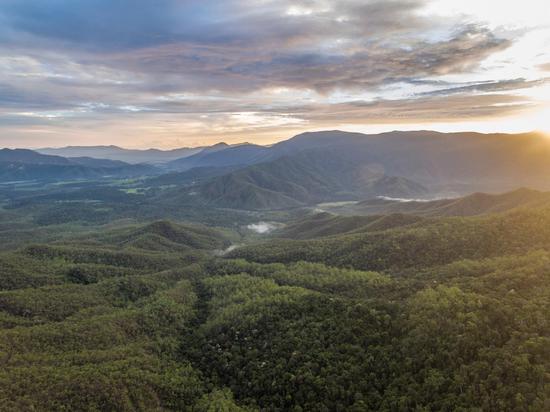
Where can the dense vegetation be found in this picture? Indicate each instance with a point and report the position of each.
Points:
(337, 314)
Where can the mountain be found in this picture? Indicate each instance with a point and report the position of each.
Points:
(336, 165)
(303, 179)
(222, 155)
(470, 205)
(25, 156)
(460, 162)
(132, 156)
(445, 163)
(23, 164)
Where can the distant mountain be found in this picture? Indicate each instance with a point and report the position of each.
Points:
(303, 179)
(222, 155)
(471, 205)
(26, 156)
(152, 156)
(443, 162)
(461, 162)
(23, 164)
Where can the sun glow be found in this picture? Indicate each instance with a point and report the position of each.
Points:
(542, 121)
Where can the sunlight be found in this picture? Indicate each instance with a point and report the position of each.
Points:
(539, 120)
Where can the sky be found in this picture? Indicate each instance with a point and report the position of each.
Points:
(180, 73)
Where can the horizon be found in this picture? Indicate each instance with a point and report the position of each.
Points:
(175, 74)
(240, 143)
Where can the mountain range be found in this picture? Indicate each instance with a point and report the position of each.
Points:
(133, 156)
(310, 168)
(23, 164)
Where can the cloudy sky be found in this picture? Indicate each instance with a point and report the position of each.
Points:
(173, 73)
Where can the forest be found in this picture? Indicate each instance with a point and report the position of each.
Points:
(397, 312)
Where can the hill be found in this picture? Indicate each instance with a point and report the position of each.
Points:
(302, 179)
(471, 205)
(417, 245)
(146, 317)
(328, 224)
(167, 236)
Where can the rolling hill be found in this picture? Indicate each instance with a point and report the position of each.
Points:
(328, 224)
(470, 205)
(424, 244)
(164, 235)
(302, 179)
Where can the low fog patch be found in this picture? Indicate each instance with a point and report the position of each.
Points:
(262, 227)
(220, 252)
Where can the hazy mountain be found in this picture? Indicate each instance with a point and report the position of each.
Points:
(23, 164)
(459, 162)
(117, 153)
(444, 162)
(31, 157)
(222, 155)
(463, 162)
(303, 179)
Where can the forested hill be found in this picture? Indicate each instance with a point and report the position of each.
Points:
(393, 312)
(417, 245)
(301, 179)
(328, 224)
(470, 205)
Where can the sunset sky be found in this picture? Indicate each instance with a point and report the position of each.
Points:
(174, 73)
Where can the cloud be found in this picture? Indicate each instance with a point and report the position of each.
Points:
(489, 86)
(427, 109)
(243, 66)
(262, 227)
(226, 46)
